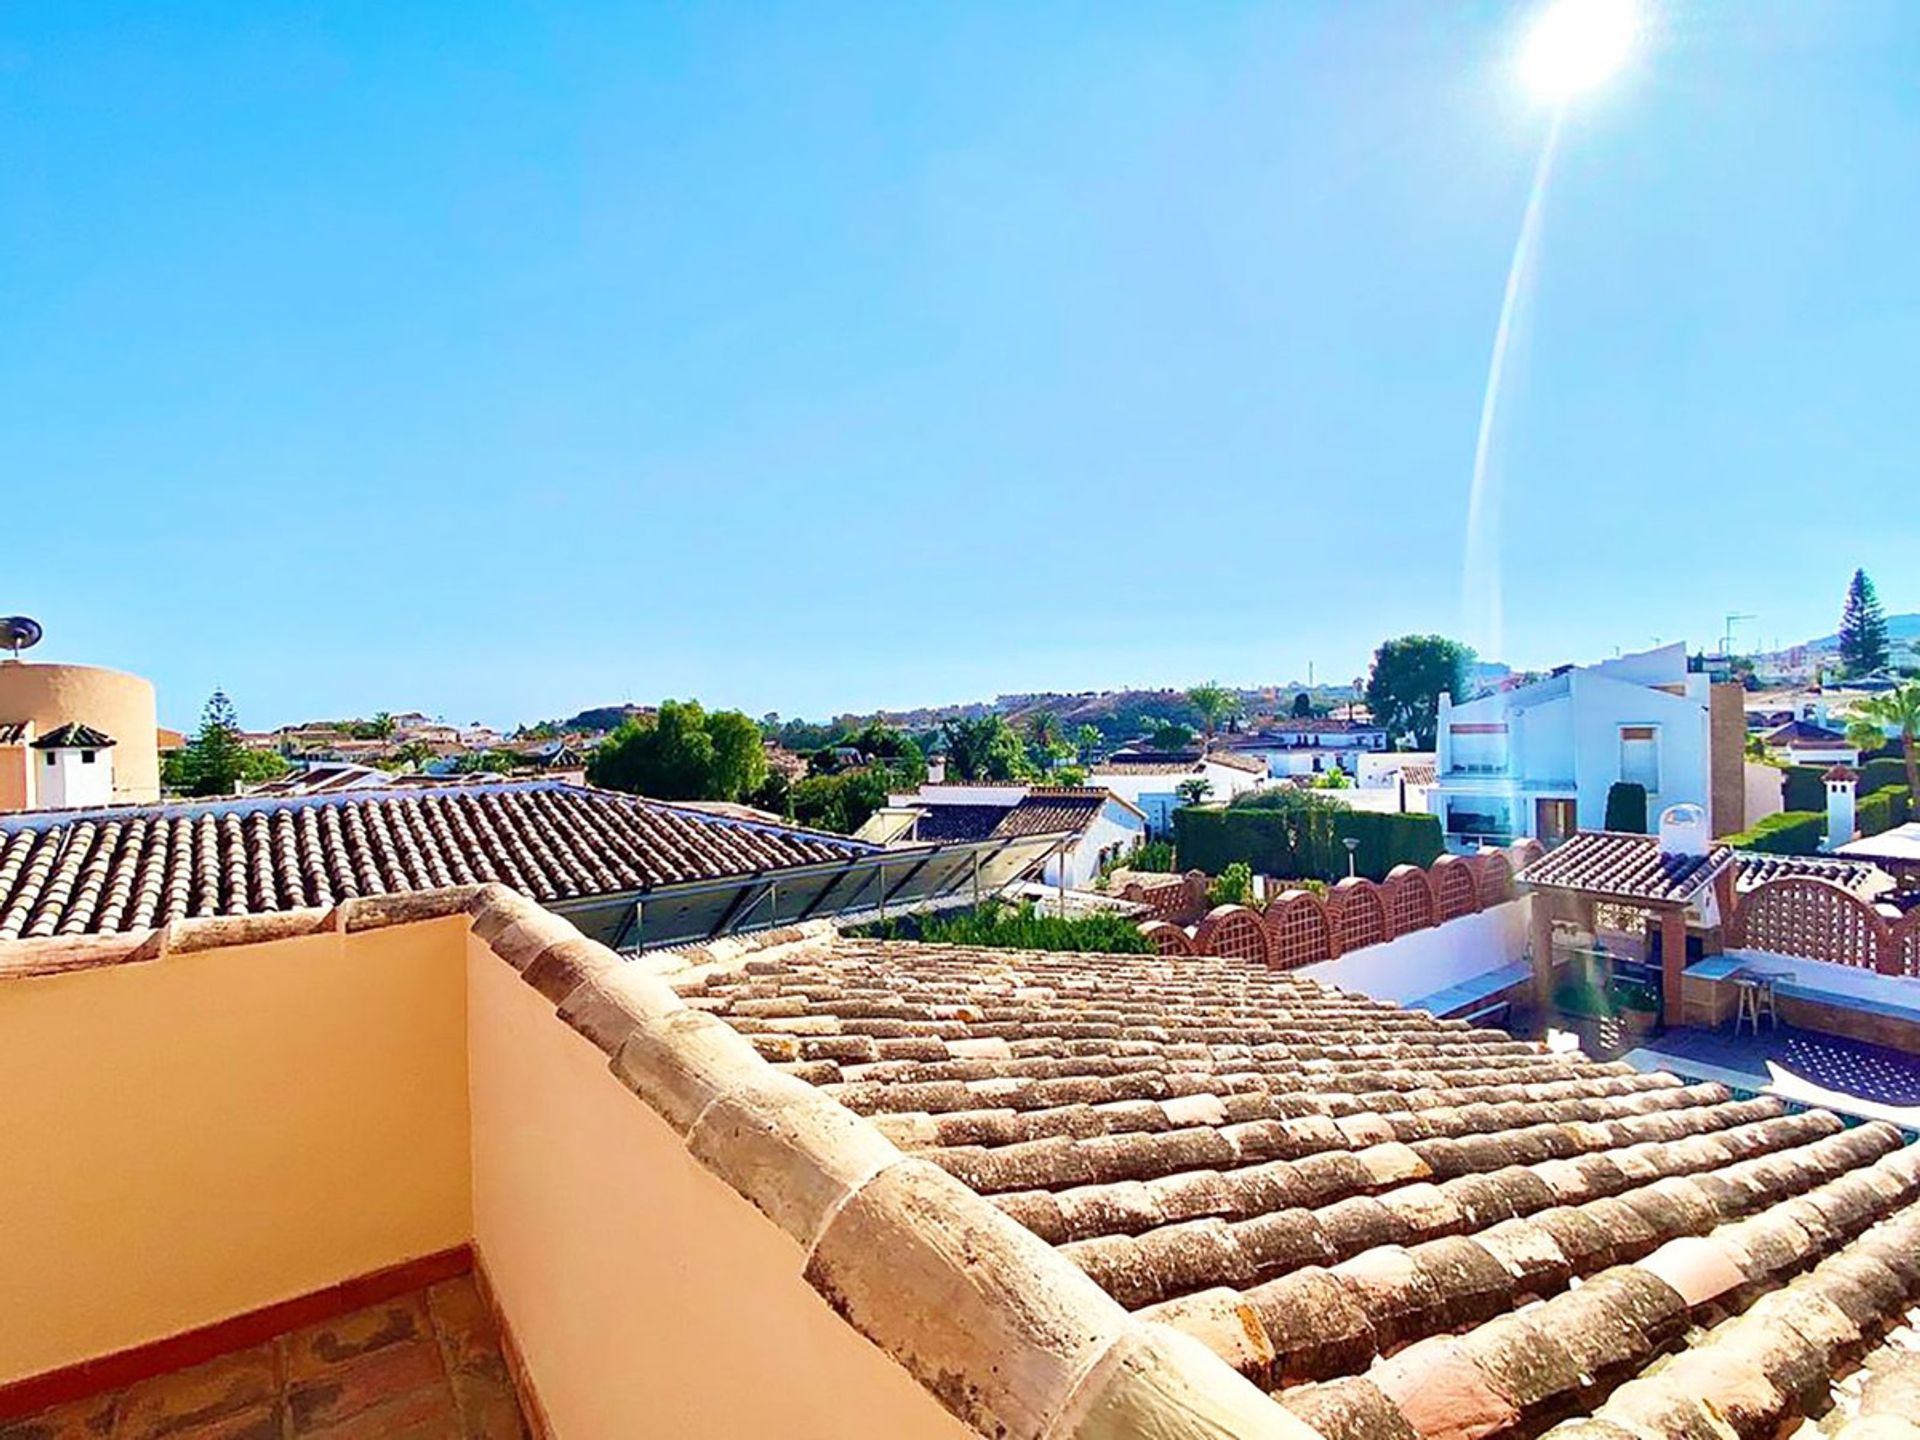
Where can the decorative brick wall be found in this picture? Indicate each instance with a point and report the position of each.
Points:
(1300, 927)
(1815, 919)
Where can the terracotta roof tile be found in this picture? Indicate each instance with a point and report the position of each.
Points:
(1605, 862)
(119, 870)
(1358, 1207)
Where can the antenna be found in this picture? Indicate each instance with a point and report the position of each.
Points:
(19, 632)
(1726, 641)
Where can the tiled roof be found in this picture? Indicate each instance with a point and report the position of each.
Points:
(1149, 759)
(14, 731)
(1236, 762)
(1804, 732)
(1171, 767)
(959, 822)
(113, 870)
(1422, 774)
(1633, 867)
(1310, 725)
(1863, 877)
(1052, 812)
(74, 736)
(1056, 810)
(1402, 1228)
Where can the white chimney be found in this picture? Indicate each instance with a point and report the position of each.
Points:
(936, 770)
(73, 768)
(1842, 785)
(1684, 830)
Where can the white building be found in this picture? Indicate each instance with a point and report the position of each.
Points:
(1150, 781)
(74, 768)
(1312, 745)
(1538, 760)
(1095, 826)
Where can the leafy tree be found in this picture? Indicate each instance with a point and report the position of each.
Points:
(1334, 779)
(1863, 629)
(1192, 792)
(840, 803)
(1302, 706)
(1409, 673)
(739, 756)
(1067, 775)
(1170, 735)
(1897, 710)
(214, 762)
(1216, 705)
(485, 762)
(984, 749)
(1046, 740)
(682, 753)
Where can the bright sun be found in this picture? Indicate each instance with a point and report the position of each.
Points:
(1576, 44)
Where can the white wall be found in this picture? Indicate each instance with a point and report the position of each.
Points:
(69, 781)
(1115, 825)
(1416, 965)
(1763, 791)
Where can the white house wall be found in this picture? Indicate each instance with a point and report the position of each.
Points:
(1424, 962)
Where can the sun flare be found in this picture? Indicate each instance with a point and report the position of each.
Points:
(1574, 45)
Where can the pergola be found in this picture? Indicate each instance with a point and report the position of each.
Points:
(1596, 868)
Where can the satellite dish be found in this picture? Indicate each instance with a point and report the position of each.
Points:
(19, 632)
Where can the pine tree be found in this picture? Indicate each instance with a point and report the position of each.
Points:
(216, 759)
(1863, 629)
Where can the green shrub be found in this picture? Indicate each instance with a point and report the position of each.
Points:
(1627, 807)
(1883, 810)
(1234, 886)
(1000, 926)
(1791, 832)
(1804, 787)
(1154, 857)
(1303, 841)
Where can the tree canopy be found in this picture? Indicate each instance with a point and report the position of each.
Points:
(1897, 710)
(215, 761)
(1216, 705)
(1302, 705)
(986, 748)
(683, 753)
(1863, 629)
(1409, 674)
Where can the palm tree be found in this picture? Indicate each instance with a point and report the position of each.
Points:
(1215, 703)
(1086, 740)
(1896, 709)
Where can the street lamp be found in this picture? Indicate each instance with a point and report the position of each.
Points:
(1352, 845)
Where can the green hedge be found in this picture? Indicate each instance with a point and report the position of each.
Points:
(1804, 787)
(1791, 832)
(1303, 846)
(1627, 807)
(1883, 810)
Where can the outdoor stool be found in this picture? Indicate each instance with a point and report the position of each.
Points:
(1755, 993)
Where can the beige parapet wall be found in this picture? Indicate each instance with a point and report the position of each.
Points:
(205, 1133)
(683, 1240)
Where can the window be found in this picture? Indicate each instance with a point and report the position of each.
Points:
(50, 759)
(86, 757)
(1478, 749)
(1640, 756)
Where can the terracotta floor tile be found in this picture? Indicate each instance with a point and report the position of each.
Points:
(425, 1367)
(461, 1318)
(168, 1405)
(424, 1414)
(488, 1407)
(318, 1348)
(89, 1419)
(372, 1379)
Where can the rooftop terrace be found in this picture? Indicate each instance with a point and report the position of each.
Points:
(813, 1186)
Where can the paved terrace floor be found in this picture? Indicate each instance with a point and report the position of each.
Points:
(1874, 1073)
(427, 1366)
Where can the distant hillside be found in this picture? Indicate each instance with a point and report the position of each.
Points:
(1899, 627)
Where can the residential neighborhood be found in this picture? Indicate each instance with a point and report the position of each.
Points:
(868, 722)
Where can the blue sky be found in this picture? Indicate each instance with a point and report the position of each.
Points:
(495, 359)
